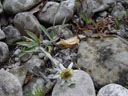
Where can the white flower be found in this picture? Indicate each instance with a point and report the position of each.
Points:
(65, 74)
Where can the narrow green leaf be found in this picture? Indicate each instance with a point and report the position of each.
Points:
(29, 39)
(46, 32)
(117, 22)
(33, 36)
(26, 50)
(26, 44)
(127, 11)
(57, 12)
(52, 35)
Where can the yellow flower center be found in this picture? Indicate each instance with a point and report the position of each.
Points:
(66, 73)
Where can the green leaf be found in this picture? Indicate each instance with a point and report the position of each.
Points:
(29, 39)
(33, 36)
(77, 4)
(89, 21)
(27, 44)
(127, 11)
(117, 22)
(52, 35)
(85, 18)
(27, 50)
(57, 12)
(46, 32)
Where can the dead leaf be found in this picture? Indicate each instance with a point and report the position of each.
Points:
(28, 78)
(69, 43)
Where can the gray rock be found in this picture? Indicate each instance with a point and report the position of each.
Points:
(20, 72)
(88, 33)
(16, 52)
(12, 34)
(105, 60)
(26, 21)
(107, 1)
(1, 7)
(48, 13)
(61, 31)
(103, 5)
(4, 52)
(113, 90)
(17, 59)
(83, 86)
(2, 35)
(123, 1)
(41, 55)
(103, 14)
(118, 11)
(26, 57)
(9, 84)
(82, 37)
(92, 4)
(33, 85)
(33, 62)
(15, 6)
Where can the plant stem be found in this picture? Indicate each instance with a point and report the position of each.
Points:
(54, 61)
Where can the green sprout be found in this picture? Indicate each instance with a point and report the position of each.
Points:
(37, 92)
(117, 22)
(85, 18)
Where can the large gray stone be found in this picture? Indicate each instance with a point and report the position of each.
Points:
(4, 52)
(89, 6)
(104, 59)
(113, 90)
(12, 34)
(92, 6)
(2, 35)
(118, 11)
(83, 86)
(66, 10)
(15, 6)
(26, 21)
(9, 85)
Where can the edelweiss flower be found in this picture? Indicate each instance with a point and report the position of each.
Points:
(65, 74)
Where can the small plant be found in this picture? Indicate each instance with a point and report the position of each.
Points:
(77, 4)
(51, 36)
(37, 92)
(86, 19)
(127, 11)
(65, 74)
(34, 45)
(117, 22)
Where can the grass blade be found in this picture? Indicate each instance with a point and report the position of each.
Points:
(46, 32)
(33, 36)
(26, 44)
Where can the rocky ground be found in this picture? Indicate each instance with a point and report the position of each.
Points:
(96, 43)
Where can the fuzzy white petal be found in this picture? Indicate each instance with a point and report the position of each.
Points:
(71, 65)
(62, 82)
(61, 67)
